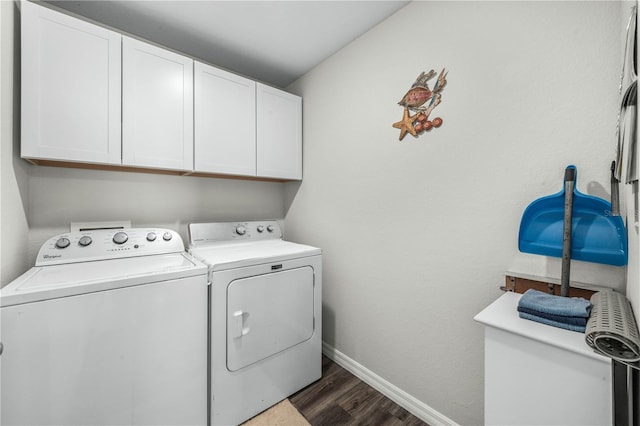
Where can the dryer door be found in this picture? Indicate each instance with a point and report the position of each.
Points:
(267, 314)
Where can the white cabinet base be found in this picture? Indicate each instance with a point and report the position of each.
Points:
(536, 374)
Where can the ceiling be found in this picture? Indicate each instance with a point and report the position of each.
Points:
(271, 41)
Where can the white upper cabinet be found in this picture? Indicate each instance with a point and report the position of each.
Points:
(279, 133)
(91, 95)
(157, 107)
(70, 88)
(225, 126)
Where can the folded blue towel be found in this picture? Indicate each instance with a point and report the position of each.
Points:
(581, 321)
(546, 321)
(538, 301)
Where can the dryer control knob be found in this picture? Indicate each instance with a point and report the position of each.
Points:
(151, 236)
(241, 230)
(167, 236)
(270, 228)
(120, 238)
(85, 241)
(62, 243)
(260, 228)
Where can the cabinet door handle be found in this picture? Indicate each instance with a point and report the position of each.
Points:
(1, 348)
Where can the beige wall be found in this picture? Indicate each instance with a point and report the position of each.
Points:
(14, 178)
(58, 196)
(418, 234)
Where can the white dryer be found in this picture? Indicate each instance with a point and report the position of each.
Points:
(109, 327)
(265, 315)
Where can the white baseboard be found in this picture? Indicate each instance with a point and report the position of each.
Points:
(397, 395)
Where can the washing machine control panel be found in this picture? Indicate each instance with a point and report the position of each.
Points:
(206, 233)
(103, 244)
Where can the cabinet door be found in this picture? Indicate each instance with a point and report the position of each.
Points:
(257, 330)
(225, 126)
(157, 107)
(70, 88)
(279, 133)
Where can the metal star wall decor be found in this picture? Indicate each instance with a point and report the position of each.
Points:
(415, 100)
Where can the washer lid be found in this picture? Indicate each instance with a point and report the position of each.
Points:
(221, 256)
(54, 281)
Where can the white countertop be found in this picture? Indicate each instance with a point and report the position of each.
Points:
(503, 314)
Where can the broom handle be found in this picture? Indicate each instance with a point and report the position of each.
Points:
(569, 185)
(615, 198)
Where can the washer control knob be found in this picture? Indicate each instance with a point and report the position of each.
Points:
(270, 228)
(85, 241)
(167, 236)
(62, 243)
(151, 236)
(241, 230)
(120, 238)
(260, 228)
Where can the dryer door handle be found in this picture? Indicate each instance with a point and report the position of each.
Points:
(240, 318)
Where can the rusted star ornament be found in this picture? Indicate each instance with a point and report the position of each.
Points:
(415, 100)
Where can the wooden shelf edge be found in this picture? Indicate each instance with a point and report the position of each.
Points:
(520, 285)
(131, 169)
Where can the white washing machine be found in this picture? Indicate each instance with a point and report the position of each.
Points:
(109, 327)
(265, 315)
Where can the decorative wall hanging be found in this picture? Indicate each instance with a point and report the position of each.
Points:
(415, 100)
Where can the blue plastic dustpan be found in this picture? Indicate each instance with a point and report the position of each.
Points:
(597, 235)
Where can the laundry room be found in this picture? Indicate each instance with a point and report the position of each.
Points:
(418, 229)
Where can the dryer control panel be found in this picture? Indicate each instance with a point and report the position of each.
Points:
(102, 244)
(205, 233)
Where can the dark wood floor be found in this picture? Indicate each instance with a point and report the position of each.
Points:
(340, 398)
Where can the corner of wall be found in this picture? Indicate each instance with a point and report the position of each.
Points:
(14, 178)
